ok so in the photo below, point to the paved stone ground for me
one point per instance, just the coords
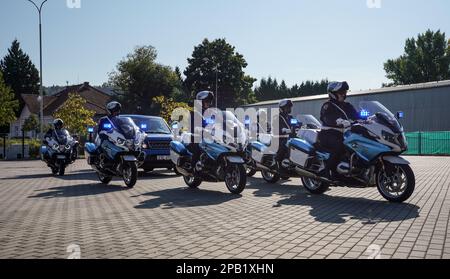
(42, 215)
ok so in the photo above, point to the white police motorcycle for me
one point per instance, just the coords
(59, 151)
(372, 157)
(119, 155)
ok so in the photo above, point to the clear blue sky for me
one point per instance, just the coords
(293, 40)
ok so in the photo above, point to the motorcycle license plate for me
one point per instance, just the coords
(60, 157)
(129, 158)
(163, 158)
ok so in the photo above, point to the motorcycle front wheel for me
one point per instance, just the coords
(62, 169)
(129, 174)
(235, 178)
(399, 185)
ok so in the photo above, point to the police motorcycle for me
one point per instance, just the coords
(221, 158)
(121, 154)
(373, 157)
(59, 151)
(263, 157)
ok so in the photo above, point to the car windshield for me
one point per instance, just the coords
(152, 125)
(382, 114)
(127, 127)
(308, 121)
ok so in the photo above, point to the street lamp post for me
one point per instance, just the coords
(41, 88)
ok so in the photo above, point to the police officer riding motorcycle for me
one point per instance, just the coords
(336, 115)
(60, 148)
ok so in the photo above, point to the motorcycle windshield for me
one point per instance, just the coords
(127, 127)
(63, 136)
(308, 121)
(231, 130)
(381, 114)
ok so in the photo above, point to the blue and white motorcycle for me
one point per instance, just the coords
(59, 150)
(221, 158)
(119, 155)
(372, 157)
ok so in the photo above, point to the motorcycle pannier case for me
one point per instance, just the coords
(177, 150)
(258, 151)
(300, 150)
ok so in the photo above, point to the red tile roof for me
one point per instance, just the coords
(95, 99)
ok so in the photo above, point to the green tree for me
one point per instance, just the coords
(219, 59)
(19, 73)
(74, 114)
(8, 104)
(426, 59)
(269, 89)
(31, 124)
(140, 79)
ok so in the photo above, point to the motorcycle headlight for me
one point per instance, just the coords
(68, 146)
(55, 146)
(389, 137)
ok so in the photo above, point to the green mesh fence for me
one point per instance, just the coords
(428, 143)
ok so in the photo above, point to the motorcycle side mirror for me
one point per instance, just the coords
(400, 115)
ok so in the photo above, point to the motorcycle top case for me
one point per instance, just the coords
(301, 150)
(177, 150)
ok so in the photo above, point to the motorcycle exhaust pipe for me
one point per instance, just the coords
(308, 174)
(264, 168)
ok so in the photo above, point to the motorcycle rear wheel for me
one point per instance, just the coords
(250, 171)
(313, 186)
(269, 177)
(104, 179)
(192, 181)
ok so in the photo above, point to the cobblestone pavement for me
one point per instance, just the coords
(42, 216)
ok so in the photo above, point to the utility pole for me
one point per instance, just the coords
(41, 86)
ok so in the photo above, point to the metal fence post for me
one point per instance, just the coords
(420, 143)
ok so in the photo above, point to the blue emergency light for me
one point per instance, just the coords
(364, 113)
(144, 126)
(107, 126)
(90, 129)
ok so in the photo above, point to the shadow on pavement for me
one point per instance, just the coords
(337, 209)
(185, 197)
(79, 190)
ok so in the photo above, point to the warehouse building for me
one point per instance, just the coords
(426, 106)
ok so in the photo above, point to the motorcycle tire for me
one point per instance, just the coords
(250, 172)
(409, 178)
(104, 179)
(270, 177)
(192, 181)
(241, 175)
(62, 170)
(130, 174)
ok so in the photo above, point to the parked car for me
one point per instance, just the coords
(156, 146)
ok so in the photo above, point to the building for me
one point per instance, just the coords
(426, 106)
(96, 100)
